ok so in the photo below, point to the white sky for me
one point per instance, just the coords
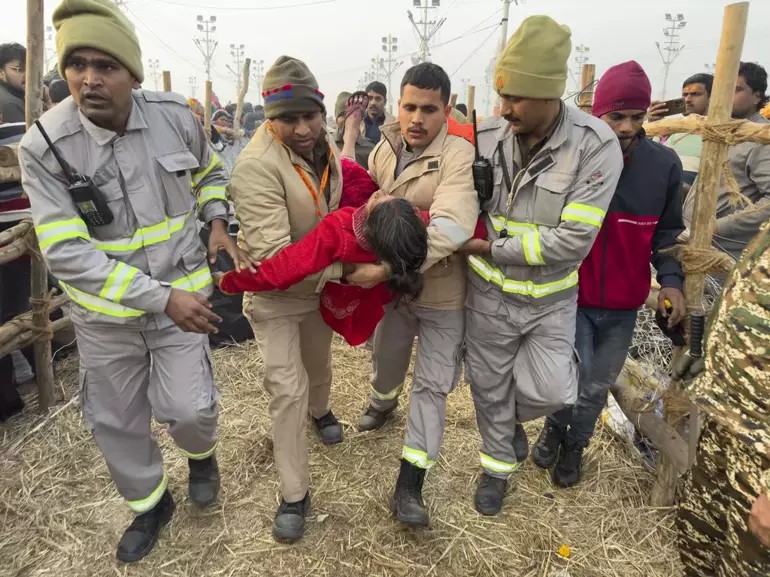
(338, 38)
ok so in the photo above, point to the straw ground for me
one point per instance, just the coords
(60, 515)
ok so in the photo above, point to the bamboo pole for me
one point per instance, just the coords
(207, 107)
(586, 96)
(452, 100)
(9, 154)
(471, 104)
(166, 81)
(39, 292)
(28, 337)
(713, 157)
(15, 331)
(241, 97)
(10, 174)
(15, 232)
(738, 129)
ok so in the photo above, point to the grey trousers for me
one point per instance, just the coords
(126, 377)
(437, 372)
(521, 364)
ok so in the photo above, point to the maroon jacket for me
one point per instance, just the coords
(644, 217)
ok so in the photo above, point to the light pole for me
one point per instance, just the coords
(237, 53)
(581, 58)
(155, 71)
(206, 45)
(258, 75)
(50, 50)
(671, 46)
(426, 28)
(710, 68)
(193, 86)
(390, 47)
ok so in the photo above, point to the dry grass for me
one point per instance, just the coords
(61, 516)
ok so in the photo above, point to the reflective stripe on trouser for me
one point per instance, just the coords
(437, 371)
(521, 365)
(717, 496)
(121, 391)
(391, 355)
(296, 351)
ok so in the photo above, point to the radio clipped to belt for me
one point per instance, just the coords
(483, 179)
(87, 196)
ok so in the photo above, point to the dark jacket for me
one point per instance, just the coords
(11, 103)
(644, 217)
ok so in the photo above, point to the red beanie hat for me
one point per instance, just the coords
(623, 87)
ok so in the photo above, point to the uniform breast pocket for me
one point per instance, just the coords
(112, 192)
(551, 191)
(175, 172)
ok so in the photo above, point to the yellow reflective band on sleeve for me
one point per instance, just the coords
(213, 163)
(209, 193)
(144, 505)
(513, 228)
(118, 281)
(496, 466)
(584, 213)
(417, 458)
(198, 456)
(98, 304)
(146, 236)
(196, 281)
(532, 251)
(53, 232)
(387, 396)
(527, 288)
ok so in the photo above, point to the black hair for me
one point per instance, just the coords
(462, 108)
(59, 90)
(377, 87)
(230, 109)
(250, 121)
(12, 51)
(398, 237)
(428, 76)
(701, 78)
(755, 76)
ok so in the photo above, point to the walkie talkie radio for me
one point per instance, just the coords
(87, 196)
(483, 178)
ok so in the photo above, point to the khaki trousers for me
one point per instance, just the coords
(296, 351)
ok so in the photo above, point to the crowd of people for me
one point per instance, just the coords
(525, 274)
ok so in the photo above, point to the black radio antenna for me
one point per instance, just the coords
(59, 159)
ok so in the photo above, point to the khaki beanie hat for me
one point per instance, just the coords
(97, 24)
(339, 106)
(534, 62)
(290, 88)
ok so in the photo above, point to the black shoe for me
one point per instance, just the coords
(566, 473)
(203, 484)
(289, 522)
(407, 504)
(142, 534)
(546, 450)
(329, 429)
(372, 419)
(520, 443)
(490, 494)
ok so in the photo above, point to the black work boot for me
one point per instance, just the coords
(142, 534)
(289, 522)
(566, 473)
(546, 450)
(329, 429)
(520, 443)
(407, 504)
(373, 419)
(203, 482)
(490, 494)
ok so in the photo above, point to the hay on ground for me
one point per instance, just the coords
(61, 516)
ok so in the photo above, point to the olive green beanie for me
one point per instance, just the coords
(534, 62)
(97, 24)
(290, 88)
(339, 106)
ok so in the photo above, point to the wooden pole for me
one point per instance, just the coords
(241, 96)
(207, 108)
(452, 100)
(471, 104)
(586, 97)
(713, 157)
(39, 289)
(166, 81)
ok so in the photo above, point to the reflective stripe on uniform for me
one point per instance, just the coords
(198, 456)
(496, 466)
(528, 288)
(584, 213)
(144, 505)
(208, 193)
(513, 228)
(417, 458)
(191, 283)
(146, 236)
(532, 250)
(199, 176)
(51, 233)
(389, 396)
(116, 284)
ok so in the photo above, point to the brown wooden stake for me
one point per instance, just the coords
(39, 292)
(713, 157)
(166, 81)
(471, 104)
(9, 154)
(10, 174)
(586, 96)
(241, 96)
(452, 100)
(207, 107)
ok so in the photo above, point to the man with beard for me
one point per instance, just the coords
(375, 116)
(555, 170)
(13, 77)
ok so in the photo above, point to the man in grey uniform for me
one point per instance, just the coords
(555, 170)
(138, 284)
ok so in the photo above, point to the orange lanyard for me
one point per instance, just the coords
(324, 179)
